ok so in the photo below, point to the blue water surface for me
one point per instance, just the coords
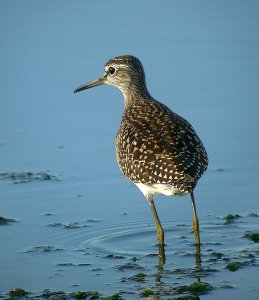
(201, 58)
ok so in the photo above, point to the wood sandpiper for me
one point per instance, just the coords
(156, 149)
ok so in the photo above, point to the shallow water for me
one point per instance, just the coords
(84, 228)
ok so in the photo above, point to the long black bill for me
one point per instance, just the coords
(96, 82)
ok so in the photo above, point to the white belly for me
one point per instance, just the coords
(158, 188)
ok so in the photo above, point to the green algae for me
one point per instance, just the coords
(199, 288)
(254, 215)
(254, 236)
(55, 295)
(234, 266)
(230, 218)
(6, 221)
(129, 266)
(27, 176)
(187, 297)
(43, 249)
(60, 295)
(185, 292)
(17, 292)
(139, 277)
(80, 295)
(90, 295)
(217, 255)
(146, 293)
(114, 297)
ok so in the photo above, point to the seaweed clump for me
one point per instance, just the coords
(230, 218)
(234, 266)
(5, 221)
(139, 277)
(199, 288)
(17, 292)
(254, 236)
(87, 295)
(146, 293)
(27, 176)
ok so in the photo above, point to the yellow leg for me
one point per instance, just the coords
(195, 222)
(159, 228)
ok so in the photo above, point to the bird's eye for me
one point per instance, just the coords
(111, 70)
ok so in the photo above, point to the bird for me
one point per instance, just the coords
(156, 149)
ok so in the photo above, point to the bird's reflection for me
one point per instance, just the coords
(198, 260)
(162, 259)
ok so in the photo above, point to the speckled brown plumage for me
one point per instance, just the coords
(155, 145)
(155, 148)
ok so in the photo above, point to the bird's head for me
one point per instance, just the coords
(123, 72)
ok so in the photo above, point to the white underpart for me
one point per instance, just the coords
(158, 188)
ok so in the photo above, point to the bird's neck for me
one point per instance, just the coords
(134, 94)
